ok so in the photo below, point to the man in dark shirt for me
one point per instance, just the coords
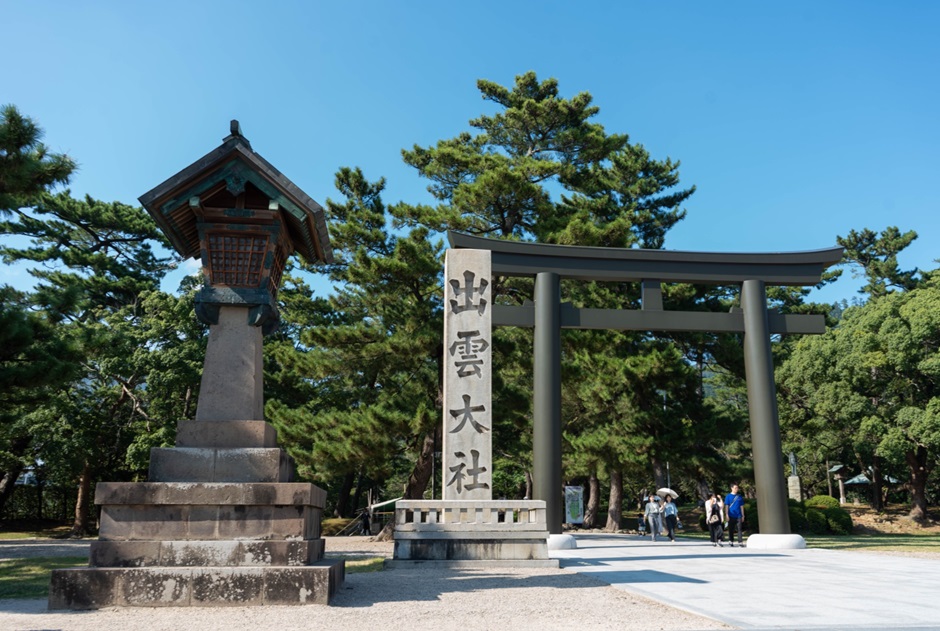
(734, 505)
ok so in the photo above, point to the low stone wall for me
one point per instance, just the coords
(470, 515)
(470, 533)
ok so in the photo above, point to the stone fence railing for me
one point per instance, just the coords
(470, 515)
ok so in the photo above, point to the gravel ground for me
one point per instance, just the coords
(443, 599)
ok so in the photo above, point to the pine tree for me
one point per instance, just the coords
(35, 358)
(372, 352)
(96, 267)
(540, 169)
(27, 168)
(537, 167)
(877, 256)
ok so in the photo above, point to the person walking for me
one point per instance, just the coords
(671, 515)
(653, 515)
(734, 507)
(713, 516)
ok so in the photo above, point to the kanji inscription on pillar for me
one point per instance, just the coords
(468, 399)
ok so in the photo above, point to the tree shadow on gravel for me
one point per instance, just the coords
(404, 585)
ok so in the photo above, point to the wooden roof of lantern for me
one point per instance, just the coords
(236, 180)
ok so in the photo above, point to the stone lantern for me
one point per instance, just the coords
(220, 520)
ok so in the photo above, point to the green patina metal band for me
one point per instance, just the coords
(260, 306)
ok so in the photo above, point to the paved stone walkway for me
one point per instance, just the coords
(31, 548)
(767, 589)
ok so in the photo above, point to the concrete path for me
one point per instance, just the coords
(30, 548)
(767, 589)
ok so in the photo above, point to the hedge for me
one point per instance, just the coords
(822, 502)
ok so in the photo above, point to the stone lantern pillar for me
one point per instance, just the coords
(221, 519)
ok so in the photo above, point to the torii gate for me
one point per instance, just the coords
(753, 272)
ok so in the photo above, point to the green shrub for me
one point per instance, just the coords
(750, 516)
(816, 521)
(822, 502)
(839, 520)
(798, 521)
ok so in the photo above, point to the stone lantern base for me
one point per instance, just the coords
(221, 523)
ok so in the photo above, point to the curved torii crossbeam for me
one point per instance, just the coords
(753, 271)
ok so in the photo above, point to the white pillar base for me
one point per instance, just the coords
(562, 542)
(776, 542)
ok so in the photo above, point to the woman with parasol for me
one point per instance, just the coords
(670, 516)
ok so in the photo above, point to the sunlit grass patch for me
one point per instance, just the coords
(33, 530)
(333, 526)
(876, 542)
(29, 578)
(360, 565)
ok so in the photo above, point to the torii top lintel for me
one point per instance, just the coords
(514, 258)
(235, 167)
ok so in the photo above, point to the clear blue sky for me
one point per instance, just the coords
(797, 121)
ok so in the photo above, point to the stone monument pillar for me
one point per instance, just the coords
(468, 396)
(794, 488)
(468, 528)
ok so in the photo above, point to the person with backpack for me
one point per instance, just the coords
(713, 515)
(734, 505)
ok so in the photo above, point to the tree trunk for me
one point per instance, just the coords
(342, 501)
(615, 505)
(528, 484)
(877, 484)
(863, 468)
(594, 501)
(659, 473)
(17, 448)
(7, 484)
(703, 489)
(417, 481)
(39, 486)
(357, 496)
(917, 461)
(80, 525)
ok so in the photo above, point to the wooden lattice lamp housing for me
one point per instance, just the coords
(243, 218)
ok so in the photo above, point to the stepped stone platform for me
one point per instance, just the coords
(221, 523)
(471, 534)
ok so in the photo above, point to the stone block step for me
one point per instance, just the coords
(478, 535)
(205, 553)
(489, 564)
(208, 464)
(225, 434)
(220, 493)
(95, 588)
(184, 522)
(470, 549)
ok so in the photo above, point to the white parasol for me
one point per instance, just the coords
(663, 492)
